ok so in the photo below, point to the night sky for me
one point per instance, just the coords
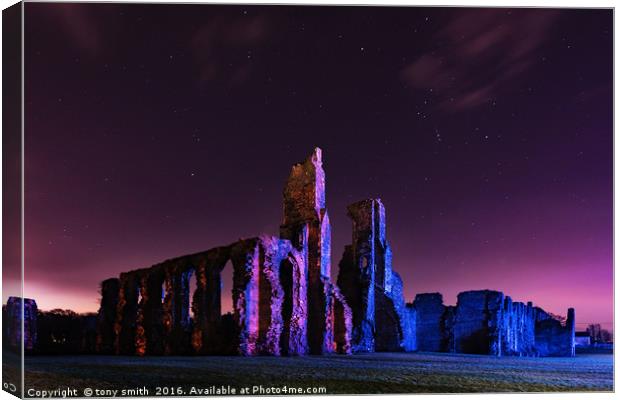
(153, 131)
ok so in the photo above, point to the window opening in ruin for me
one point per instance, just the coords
(226, 281)
(163, 292)
(300, 238)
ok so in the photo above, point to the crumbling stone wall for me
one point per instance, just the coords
(16, 313)
(283, 299)
(107, 316)
(478, 322)
(488, 322)
(126, 312)
(555, 339)
(342, 320)
(152, 305)
(430, 330)
(271, 295)
(406, 314)
(284, 302)
(374, 291)
(212, 333)
(355, 283)
(153, 309)
(519, 325)
(306, 225)
(448, 342)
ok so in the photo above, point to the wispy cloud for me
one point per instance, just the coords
(223, 47)
(480, 51)
(80, 26)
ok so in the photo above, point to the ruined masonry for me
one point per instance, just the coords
(285, 303)
(488, 322)
(14, 313)
(381, 321)
(283, 299)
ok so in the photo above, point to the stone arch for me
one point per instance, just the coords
(186, 296)
(258, 295)
(226, 328)
(226, 288)
(293, 278)
(269, 293)
(208, 335)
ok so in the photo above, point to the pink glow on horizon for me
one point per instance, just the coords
(592, 306)
(50, 297)
(575, 288)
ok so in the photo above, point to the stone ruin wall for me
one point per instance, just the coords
(488, 322)
(381, 320)
(430, 319)
(551, 337)
(12, 323)
(151, 314)
(286, 304)
(306, 225)
(283, 300)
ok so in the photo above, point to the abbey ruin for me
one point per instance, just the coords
(285, 302)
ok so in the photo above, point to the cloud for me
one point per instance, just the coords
(481, 51)
(223, 47)
(79, 25)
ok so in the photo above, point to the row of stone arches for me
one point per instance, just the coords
(160, 310)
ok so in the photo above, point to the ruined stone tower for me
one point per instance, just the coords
(381, 321)
(306, 225)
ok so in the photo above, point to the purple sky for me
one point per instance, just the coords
(154, 131)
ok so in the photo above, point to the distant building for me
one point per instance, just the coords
(582, 339)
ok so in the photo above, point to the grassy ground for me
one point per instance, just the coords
(367, 373)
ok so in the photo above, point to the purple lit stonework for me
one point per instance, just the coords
(285, 303)
(18, 315)
(283, 299)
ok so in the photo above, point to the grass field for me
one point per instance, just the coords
(366, 373)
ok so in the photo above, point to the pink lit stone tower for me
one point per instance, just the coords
(306, 225)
